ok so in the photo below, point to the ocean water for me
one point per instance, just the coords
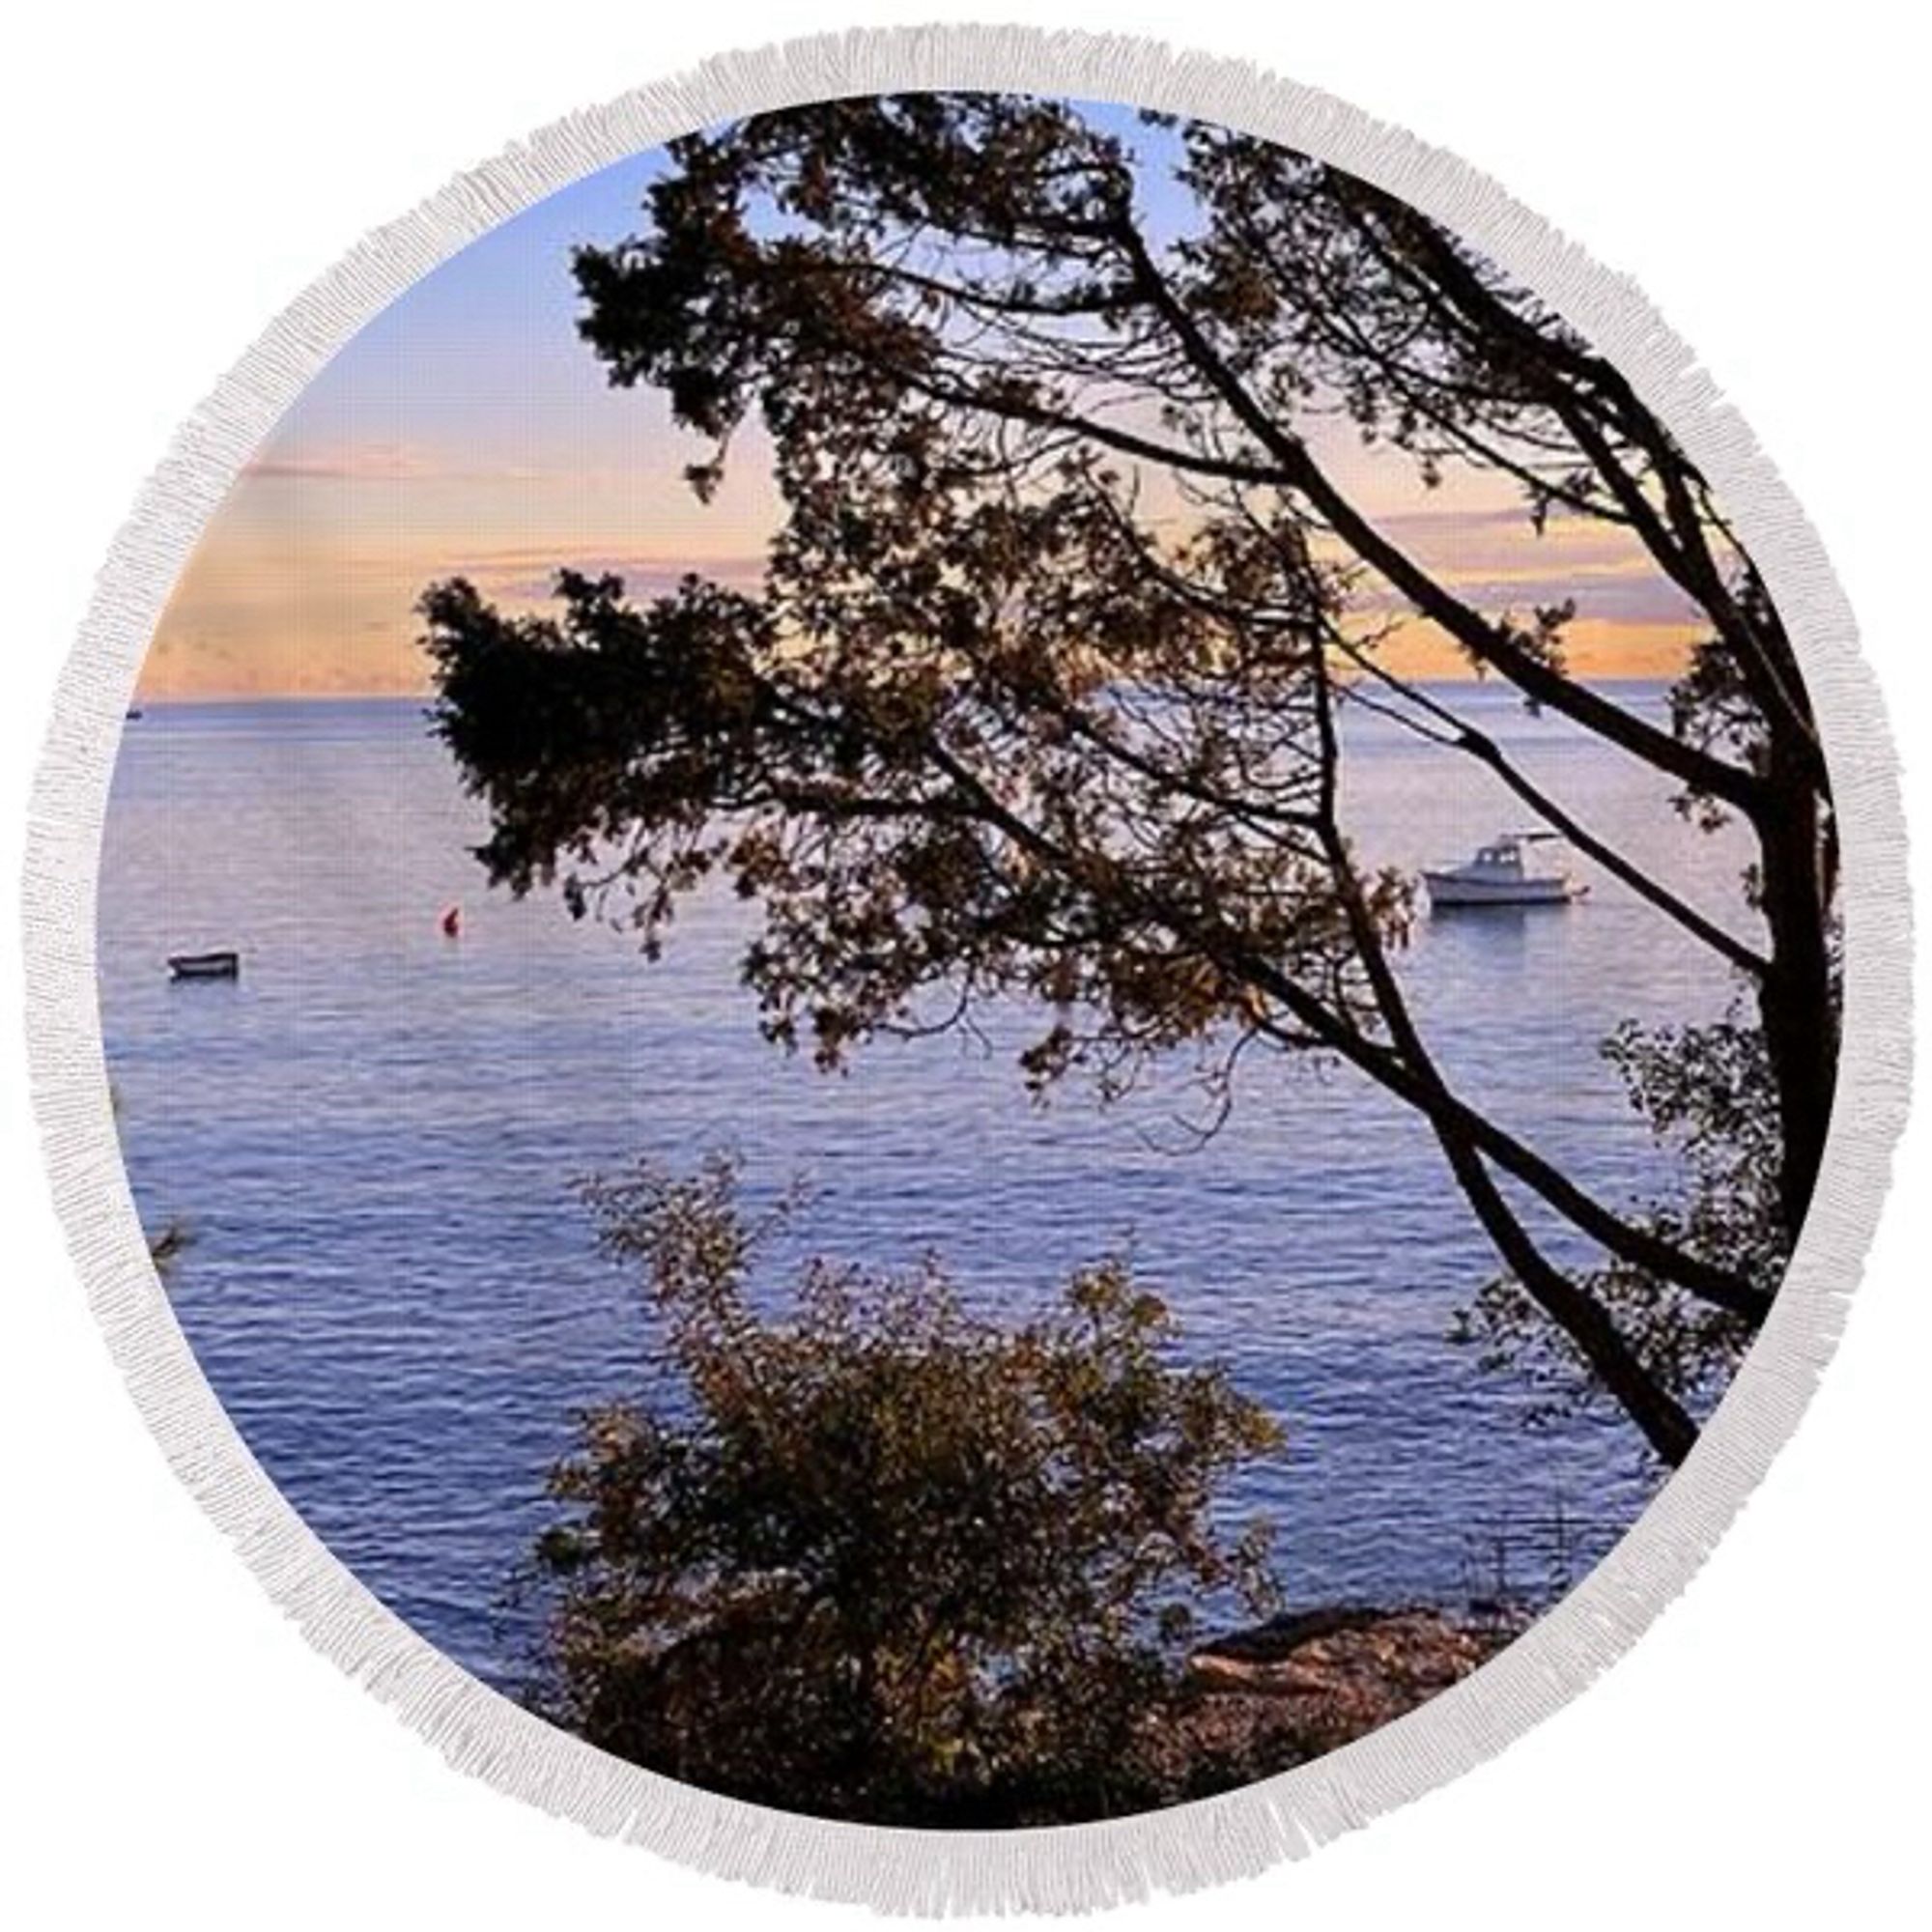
(373, 1139)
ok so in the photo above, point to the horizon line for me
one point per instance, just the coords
(186, 700)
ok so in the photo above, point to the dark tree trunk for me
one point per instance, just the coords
(1796, 1001)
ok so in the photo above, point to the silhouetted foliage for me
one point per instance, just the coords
(166, 1248)
(878, 1556)
(1039, 697)
(1707, 1094)
(167, 1243)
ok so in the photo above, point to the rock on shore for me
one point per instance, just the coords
(1288, 1691)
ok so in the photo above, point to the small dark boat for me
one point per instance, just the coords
(134, 712)
(205, 965)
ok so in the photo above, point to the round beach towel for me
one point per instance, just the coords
(971, 966)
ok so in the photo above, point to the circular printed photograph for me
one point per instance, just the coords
(971, 960)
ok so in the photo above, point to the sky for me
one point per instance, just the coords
(467, 431)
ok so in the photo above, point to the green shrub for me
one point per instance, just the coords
(885, 1559)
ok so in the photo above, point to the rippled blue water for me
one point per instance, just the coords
(373, 1136)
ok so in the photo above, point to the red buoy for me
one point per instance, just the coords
(452, 921)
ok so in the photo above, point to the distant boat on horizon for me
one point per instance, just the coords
(134, 711)
(205, 965)
(1500, 875)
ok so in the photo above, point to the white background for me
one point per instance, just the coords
(176, 1754)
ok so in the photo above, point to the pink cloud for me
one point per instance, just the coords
(381, 462)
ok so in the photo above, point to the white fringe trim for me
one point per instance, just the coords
(1078, 1867)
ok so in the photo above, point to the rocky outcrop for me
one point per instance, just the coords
(1288, 1691)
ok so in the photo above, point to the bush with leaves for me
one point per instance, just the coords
(883, 1557)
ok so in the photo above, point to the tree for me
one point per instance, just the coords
(885, 1558)
(1041, 692)
(1705, 1093)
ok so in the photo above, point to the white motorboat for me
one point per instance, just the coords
(1501, 875)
